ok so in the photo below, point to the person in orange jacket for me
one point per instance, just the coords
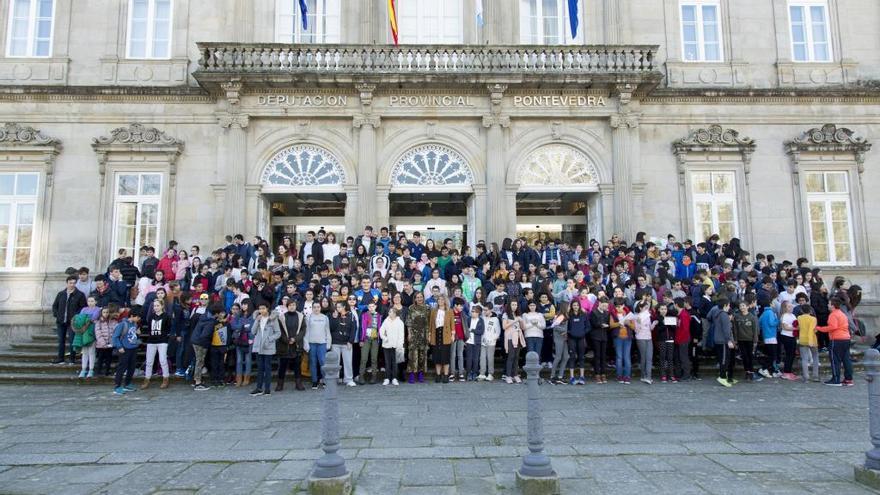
(838, 331)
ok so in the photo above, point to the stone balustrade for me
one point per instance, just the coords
(367, 60)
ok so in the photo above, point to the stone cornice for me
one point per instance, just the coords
(714, 139)
(137, 134)
(16, 134)
(126, 94)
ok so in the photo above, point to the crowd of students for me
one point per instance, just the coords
(207, 319)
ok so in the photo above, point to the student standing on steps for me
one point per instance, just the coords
(157, 330)
(126, 342)
(266, 332)
(68, 303)
(391, 335)
(316, 341)
(492, 332)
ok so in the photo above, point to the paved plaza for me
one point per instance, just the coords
(462, 438)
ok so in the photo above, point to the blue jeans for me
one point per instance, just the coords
(623, 352)
(182, 358)
(65, 336)
(534, 344)
(316, 361)
(242, 360)
(264, 372)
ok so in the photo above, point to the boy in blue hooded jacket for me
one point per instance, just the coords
(769, 323)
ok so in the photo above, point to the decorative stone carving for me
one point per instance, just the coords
(496, 94)
(829, 139)
(629, 120)
(432, 165)
(303, 165)
(12, 133)
(137, 134)
(365, 91)
(490, 120)
(431, 129)
(361, 120)
(232, 89)
(240, 120)
(556, 130)
(715, 139)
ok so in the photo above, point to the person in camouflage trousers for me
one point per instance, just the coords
(417, 338)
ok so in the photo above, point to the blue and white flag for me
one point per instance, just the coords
(304, 11)
(573, 17)
(479, 11)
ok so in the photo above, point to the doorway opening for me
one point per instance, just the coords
(553, 215)
(436, 216)
(296, 214)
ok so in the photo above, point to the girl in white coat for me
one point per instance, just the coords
(391, 334)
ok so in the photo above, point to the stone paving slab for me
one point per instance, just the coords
(693, 438)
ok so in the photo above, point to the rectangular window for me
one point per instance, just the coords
(30, 28)
(136, 211)
(430, 21)
(149, 29)
(714, 204)
(810, 31)
(323, 21)
(546, 22)
(18, 207)
(831, 235)
(701, 31)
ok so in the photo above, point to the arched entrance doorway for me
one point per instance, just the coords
(558, 195)
(431, 192)
(304, 188)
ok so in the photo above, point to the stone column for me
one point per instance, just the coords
(479, 215)
(366, 124)
(536, 475)
(606, 198)
(869, 474)
(235, 167)
(382, 207)
(611, 21)
(352, 206)
(510, 218)
(496, 165)
(253, 217)
(624, 163)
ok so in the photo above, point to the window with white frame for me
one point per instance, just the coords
(137, 207)
(18, 206)
(810, 31)
(30, 28)
(701, 31)
(831, 235)
(149, 29)
(430, 21)
(546, 22)
(714, 204)
(322, 21)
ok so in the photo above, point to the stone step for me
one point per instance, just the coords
(44, 337)
(37, 345)
(42, 367)
(17, 355)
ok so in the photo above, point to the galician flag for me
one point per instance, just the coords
(304, 11)
(479, 12)
(392, 19)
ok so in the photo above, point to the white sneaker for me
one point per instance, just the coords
(351, 384)
(386, 382)
(481, 378)
(508, 380)
(489, 378)
(395, 382)
(517, 379)
(646, 380)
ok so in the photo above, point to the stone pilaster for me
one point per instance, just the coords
(382, 204)
(479, 205)
(624, 158)
(235, 171)
(366, 124)
(497, 216)
(353, 224)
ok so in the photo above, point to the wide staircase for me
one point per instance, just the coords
(30, 362)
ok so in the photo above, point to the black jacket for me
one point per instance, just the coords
(317, 252)
(67, 306)
(343, 330)
(204, 330)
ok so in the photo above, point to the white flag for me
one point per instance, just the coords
(479, 11)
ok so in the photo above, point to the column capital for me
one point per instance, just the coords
(253, 188)
(624, 120)
(383, 188)
(480, 188)
(493, 120)
(230, 120)
(361, 120)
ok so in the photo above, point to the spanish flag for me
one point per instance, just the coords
(392, 19)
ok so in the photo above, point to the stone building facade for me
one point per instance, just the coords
(139, 121)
